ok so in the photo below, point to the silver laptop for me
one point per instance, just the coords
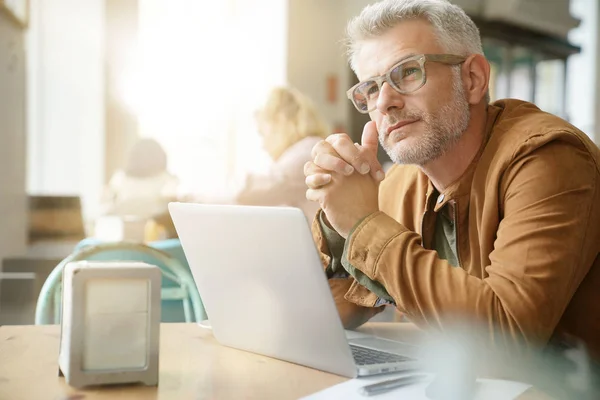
(264, 289)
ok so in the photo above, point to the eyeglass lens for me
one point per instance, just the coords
(405, 78)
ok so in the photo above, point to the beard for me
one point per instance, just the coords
(443, 129)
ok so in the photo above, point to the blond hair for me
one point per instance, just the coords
(287, 117)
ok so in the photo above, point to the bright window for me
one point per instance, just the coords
(200, 71)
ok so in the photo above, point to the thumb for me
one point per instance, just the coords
(369, 144)
(369, 140)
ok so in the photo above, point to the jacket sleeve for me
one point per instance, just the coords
(352, 315)
(538, 261)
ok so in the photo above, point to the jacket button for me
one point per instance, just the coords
(440, 198)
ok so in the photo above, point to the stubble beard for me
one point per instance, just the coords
(443, 129)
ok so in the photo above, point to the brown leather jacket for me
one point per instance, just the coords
(527, 224)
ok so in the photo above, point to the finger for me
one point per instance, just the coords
(310, 168)
(369, 146)
(348, 152)
(369, 138)
(313, 195)
(322, 147)
(317, 181)
(331, 163)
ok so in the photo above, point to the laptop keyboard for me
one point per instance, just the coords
(365, 356)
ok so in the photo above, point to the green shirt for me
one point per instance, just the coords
(444, 237)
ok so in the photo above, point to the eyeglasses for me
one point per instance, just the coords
(405, 77)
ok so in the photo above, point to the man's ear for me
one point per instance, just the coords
(476, 78)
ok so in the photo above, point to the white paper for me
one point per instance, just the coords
(488, 389)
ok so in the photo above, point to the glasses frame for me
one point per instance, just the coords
(448, 59)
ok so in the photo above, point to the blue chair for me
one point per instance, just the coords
(169, 246)
(180, 299)
(172, 312)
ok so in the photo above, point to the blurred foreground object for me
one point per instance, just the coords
(462, 354)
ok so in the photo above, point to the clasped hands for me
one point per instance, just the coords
(344, 178)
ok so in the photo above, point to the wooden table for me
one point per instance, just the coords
(192, 366)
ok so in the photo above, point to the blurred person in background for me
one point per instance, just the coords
(290, 126)
(144, 187)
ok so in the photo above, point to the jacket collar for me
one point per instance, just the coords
(462, 185)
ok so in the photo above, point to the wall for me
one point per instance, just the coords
(66, 99)
(12, 139)
(583, 72)
(121, 31)
(315, 52)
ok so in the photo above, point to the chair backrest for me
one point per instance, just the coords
(181, 301)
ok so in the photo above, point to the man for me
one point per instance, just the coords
(492, 211)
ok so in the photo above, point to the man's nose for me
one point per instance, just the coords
(389, 98)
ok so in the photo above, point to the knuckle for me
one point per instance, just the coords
(307, 168)
(307, 194)
(318, 146)
(340, 165)
(316, 181)
(319, 160)
(332, 138)
(325, 163)
(356, 158)
(313, 195)
(308, 180)
(338, 138)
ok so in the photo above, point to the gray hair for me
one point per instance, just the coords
(456, 32)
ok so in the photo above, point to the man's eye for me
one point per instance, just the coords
(410, 71)
(373, 90)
